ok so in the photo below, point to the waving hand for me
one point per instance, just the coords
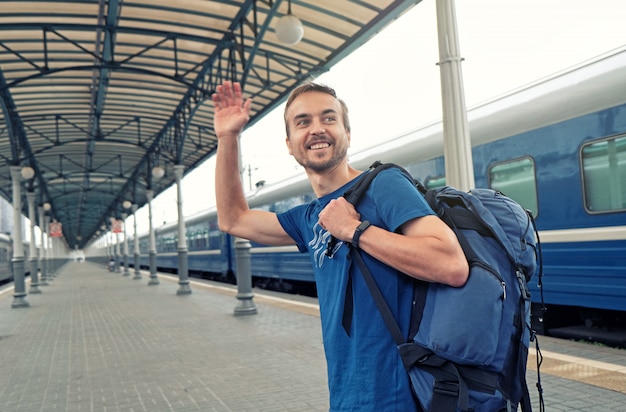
(231, 111)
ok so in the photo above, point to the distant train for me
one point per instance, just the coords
(6, 258)
(557, 146)
(6, 254)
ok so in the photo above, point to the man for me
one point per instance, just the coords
(364, 370)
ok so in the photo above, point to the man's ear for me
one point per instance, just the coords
(288, 143)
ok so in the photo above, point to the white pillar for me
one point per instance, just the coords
(32, 255)
(136, 244)
(46, 248)
(19, 295)
(126, 271)
(42, 262)
(118, 254)
(457, 145)
(183, 272)
(154, 279)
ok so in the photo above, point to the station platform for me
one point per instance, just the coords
(100, 341)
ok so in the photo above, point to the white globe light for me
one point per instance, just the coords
(289, 30)
(158, 172)
(126, 204)
(27, 172)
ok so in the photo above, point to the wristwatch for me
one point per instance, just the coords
(358, 232)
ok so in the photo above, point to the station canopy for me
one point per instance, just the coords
(96, 94)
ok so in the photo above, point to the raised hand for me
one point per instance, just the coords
(231, 111)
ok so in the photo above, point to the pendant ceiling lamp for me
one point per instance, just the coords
(289, 29)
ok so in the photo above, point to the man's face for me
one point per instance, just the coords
(317, 137)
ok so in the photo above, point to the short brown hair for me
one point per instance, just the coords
(316, 87)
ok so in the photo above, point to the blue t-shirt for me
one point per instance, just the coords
(365, 372)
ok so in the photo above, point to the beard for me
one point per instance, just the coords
(319, 166)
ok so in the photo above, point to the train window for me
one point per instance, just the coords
(167, 244)
(603, 170)
(286, 204)
(205, 238)
(434, 182)
(215, 239)
(516, 179)
(191, 239)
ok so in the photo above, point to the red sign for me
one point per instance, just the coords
(56, 230)
(116, 226)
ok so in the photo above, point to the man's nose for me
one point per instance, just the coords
(318, 128)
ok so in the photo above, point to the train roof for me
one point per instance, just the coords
(588, 87)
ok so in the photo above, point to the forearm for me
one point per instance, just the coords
(433, 258)
(230, 199)
(425, 248)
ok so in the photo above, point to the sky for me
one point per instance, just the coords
(392, 85)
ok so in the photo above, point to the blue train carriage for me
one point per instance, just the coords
(209, 250)
(6, 258)
(6, 254)
(576, 188)
(282, 268)
(211, 253)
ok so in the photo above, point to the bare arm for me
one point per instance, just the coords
(234, 216)
(426, 248)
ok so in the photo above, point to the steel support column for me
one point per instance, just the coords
(47, 266)
(154, 279)
(125, 234)
(19, 294)
(32, 254)
(136, 244)
(118, 260)
(459, 167)
(245, 297)
(42, 261)
(183, 271)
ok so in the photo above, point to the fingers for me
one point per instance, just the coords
(339, 218)
(228, 94)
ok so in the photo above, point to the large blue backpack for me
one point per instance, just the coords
(467, 347)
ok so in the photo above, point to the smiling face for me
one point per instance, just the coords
(316, 134)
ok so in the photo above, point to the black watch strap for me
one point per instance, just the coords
(358, 232)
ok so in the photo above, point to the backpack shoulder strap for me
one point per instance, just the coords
(354, 196)
(356, 192)
(379, 300)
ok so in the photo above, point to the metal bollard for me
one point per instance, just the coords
(245, 297)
